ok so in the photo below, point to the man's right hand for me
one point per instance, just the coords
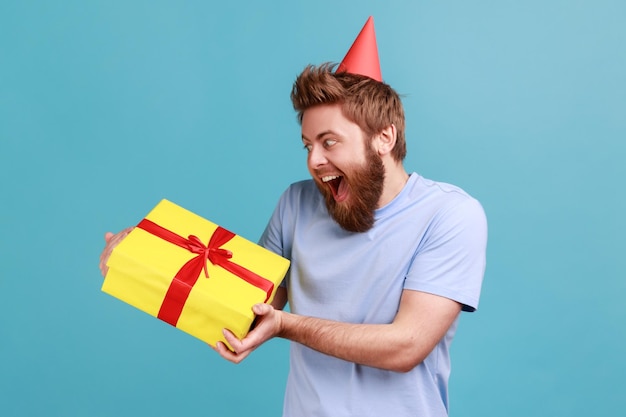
(111, 241)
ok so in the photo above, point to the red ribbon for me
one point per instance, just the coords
(188, 275)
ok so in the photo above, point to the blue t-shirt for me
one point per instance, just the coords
(431, 237)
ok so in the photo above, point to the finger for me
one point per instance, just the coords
(261, 309)
(102, 264)
(223, 351)
(233, 341)
(229, 355)
(108, 236)
(104, 258)
(104, 255)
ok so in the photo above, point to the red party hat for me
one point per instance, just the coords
(362, 57)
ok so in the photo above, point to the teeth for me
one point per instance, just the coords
(329, 178)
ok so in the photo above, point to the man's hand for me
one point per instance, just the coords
(268, 325)
(111, 241)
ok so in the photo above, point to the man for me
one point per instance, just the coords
(382, 261)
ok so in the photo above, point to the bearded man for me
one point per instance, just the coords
(382, 261)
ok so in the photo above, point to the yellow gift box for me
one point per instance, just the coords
(192, 273)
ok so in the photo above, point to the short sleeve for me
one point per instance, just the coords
(451, 259)
(271, 239)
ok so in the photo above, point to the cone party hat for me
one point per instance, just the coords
(362, 57)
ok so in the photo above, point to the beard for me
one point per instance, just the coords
(356, 214)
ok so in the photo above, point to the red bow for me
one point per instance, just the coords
(187, 276)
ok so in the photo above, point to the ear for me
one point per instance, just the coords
(385, 141)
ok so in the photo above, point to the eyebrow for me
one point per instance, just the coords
(322, 134)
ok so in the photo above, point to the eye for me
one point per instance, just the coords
(307, 147)
(329, 142)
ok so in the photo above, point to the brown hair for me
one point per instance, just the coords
(371, 104)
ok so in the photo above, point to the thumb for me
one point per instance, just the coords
(261, 309)
(108, 236)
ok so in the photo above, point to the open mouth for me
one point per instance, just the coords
(337, 185)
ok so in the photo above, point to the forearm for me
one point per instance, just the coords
(422, 320)
(377, 345)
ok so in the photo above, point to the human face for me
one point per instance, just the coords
(347, 171)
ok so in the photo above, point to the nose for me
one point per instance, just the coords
(317, 157)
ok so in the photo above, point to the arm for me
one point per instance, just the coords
(280, 298)
(422, 320)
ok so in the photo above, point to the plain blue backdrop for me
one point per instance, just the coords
(107, 107)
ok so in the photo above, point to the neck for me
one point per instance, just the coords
(395, 180)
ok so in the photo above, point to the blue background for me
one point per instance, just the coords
(107, 107)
